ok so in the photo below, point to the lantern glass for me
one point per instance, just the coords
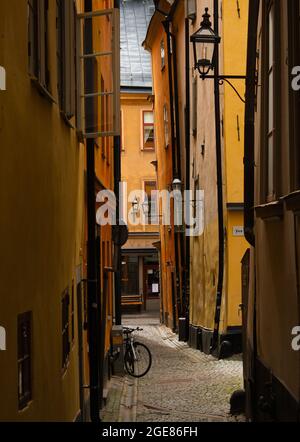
(135, 206)
(204, 43)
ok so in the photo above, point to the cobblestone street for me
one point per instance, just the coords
(183, 385)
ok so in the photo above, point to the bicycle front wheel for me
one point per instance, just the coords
(138, 364)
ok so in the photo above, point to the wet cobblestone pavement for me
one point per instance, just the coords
(183, 385)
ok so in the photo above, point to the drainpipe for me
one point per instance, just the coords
(187, 159)
(180, 235)
(93, 298)
(166, 25)
(219, 187)
(249, 163)
(117, 180)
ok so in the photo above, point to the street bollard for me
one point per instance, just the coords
(117, 350)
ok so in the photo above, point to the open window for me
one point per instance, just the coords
(98, 46)
(148, 130)
(38, 42)
(66, 56)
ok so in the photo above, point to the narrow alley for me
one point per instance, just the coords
(183, 385)
(150, 213)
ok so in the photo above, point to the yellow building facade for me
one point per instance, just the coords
(156, 43)
(192, 160)
(205, 259)
(141, 282)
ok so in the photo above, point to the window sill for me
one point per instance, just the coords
(148, 149)
(293, 202)
(270, 212)
(42, 90)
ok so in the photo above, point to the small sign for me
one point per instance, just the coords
(2, 79)
(2, 339)
(238, 231)
(155, 288)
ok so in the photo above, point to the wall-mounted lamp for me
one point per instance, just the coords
(135, 205)
(205, 41)
(177, 185)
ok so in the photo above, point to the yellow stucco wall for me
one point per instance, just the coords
(136, 161)
(234, 29)
(204, 250)
(155, 36)
(42, 196)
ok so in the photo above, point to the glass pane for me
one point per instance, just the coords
(271, 166)
(130, 275)
(148, 118)
(149, 136)
(271, 101)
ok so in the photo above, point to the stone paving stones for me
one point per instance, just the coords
(183, 385)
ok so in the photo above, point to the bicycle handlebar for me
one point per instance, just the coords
(128, 330)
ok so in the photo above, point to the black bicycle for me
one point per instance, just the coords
(138, 358)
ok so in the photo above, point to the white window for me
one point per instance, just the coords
(66, 53)
(166, 126)
(148, 130)
(104, 59)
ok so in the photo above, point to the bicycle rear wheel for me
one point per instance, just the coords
(139, 364)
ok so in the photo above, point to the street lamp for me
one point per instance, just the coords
(205, 41)
(204, 44)
(135, 205)
(177, 185)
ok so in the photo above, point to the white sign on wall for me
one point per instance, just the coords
(2, 79)
(2, 339)
(238, 231)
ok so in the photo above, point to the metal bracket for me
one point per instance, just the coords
(226, 78)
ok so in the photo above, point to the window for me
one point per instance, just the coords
(270, 120)
(294, 98)
(271, 104)
(148, 130)
(162, 54)
(130, 275)
(24, 359)
(166, 126)
(65, 329)
(191, 9)
(150, 186)
(38, 44)
(66, 56)
(32, 17)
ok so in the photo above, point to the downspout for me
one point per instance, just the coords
(187, 159)
(117, 248)
(166, 25)
(180, 235)
(219, 187)
(249, 162)
(93, 298)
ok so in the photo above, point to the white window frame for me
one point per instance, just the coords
(115, 54)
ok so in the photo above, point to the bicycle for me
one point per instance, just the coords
(138, 358)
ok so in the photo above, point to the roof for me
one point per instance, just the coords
(163, 9)
(136, 68)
